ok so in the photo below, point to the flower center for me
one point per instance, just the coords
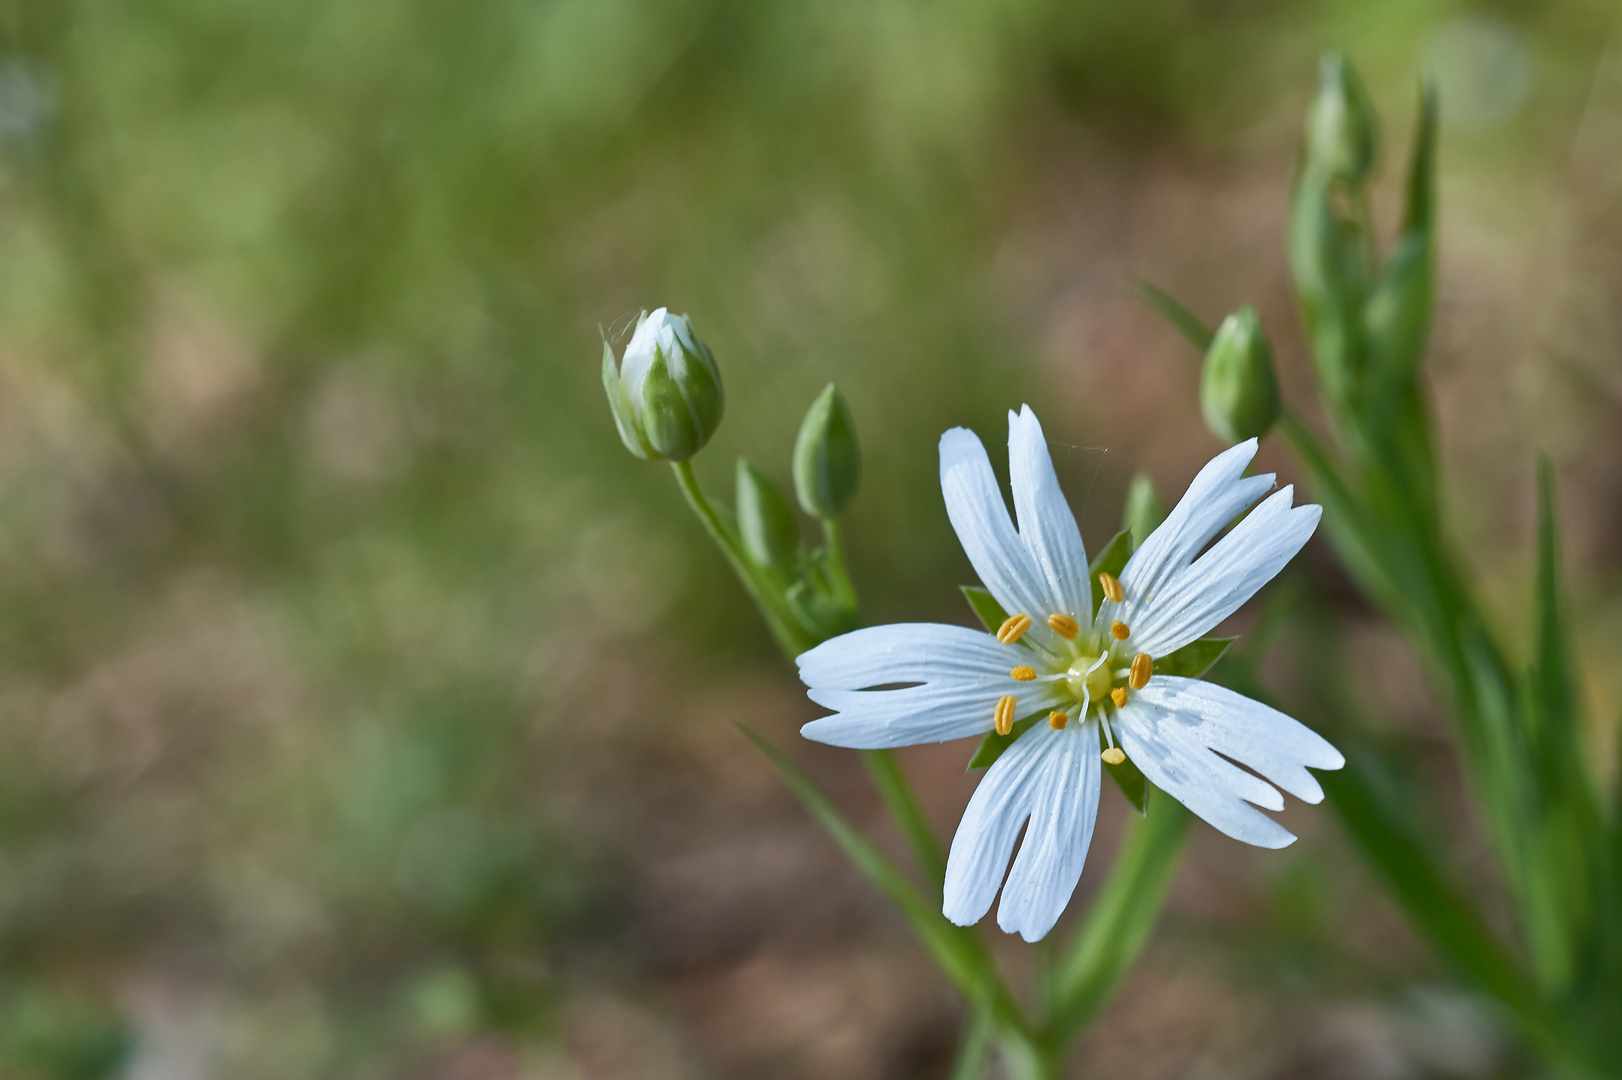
(1087, 678)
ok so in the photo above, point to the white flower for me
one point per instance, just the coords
(1092, 676)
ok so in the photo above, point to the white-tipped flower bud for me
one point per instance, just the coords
(1342, 132)
(1238, 392)
(666, 394)
(827, 461)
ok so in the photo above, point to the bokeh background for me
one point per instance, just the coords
(367, 711)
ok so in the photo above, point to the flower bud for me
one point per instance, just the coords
(666, 395)
(1342, 133)
(1144, 511)
(1238, 393)
(827, 461)
(765, 520)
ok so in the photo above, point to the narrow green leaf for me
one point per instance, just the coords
(1118, 922)
(1452, 926)
(1195, 658)
(1111, 560)
(1554, 692)
(1419, 212)
(973, 1046)
(1182, 320)
(957, 949)
(992, 746)
(985, 606)
(1132, 783)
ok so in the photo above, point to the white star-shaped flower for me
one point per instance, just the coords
(1093, 676)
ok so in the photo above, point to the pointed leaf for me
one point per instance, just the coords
(985, 606)
(1131, 782)
(1194, 659)
(1112, 560)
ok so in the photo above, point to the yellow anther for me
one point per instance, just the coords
(1013, 628)
(1112, 588)
(1142, 667)
(1118, 695)
(1064, 626)
(1118, 630)
(1113, 756)
(1004, 721)
(1023, 673)
(1057, 720)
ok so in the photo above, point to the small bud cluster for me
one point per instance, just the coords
(666, 397)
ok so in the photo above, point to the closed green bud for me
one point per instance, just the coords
(666, 394)
(1342, 132)
(827, 461)
(1238, 393)
(766, 522)
(1144, 511)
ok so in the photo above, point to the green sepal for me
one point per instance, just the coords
(766, 523)
(1144, 511)
(1195, 658)
(620, 405)
(1131, 781)
(1112, 560)
(992, 746)
(985, 606)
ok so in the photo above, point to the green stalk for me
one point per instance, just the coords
(790, 636)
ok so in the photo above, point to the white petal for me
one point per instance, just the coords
(1157, 741)
(1064, 810)
(907, 653)
(1216, 497)
(1258, 737)
(935, 712)
(1046, 525)
(980, 517)
(1192, 601)
(985, 837)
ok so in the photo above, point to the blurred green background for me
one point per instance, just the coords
(366, 710)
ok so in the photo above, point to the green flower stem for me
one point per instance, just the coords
(791, 637)
(839, 578)
(908, 813)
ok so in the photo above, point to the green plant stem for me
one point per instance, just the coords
(908, 812)
(791, 638)
(839, 578)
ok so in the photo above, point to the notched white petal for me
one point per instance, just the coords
(933, 712)
(1046, 526)
(1261, 738)
(1162, 748)
(1193, 600)
(1064, 810)
(984, 841)
(906, 652)
(974, 504)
